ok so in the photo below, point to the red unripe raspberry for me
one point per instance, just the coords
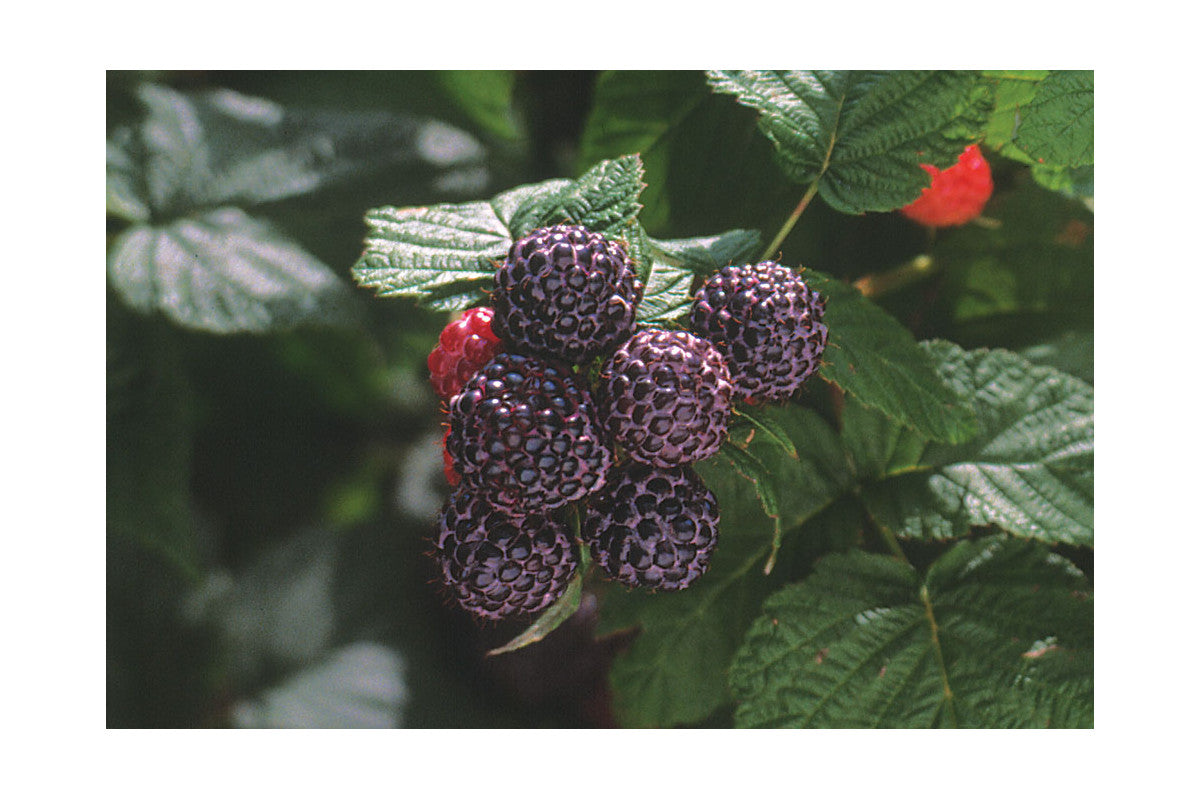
(957, 194)
(465, 345)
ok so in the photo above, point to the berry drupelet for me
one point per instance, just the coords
(566, 293)
(523, 432)
(767, 323)
(665, 397)
(498, 565)
(653, 528)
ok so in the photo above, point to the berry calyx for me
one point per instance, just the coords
(523, 431)
(767, 323)
(497, 564)
(665, 396)
(566, 293)
(465, 345)
(653, 528)
(956, 195)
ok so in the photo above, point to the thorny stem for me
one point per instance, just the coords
(773, 247)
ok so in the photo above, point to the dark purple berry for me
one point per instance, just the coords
(665, 397)
(767, 323)
(565, 293)
(523, 431)
(653, 528)
(498, 565)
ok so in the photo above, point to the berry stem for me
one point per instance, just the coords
(911, 271)
(773, 247)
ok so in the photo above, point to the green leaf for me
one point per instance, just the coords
(874, 358)
(413, 251)
(1030, 471)
(674, 264)
(1073, 352)
(643, 112)
(486, 95)
(863, 135)
(707, 254)
(1012, 90)
(203, 150)
(763, 422)
(1076, 182)
(225, 272)
(603, 199)
(182, 172)
(998, 633)
(551, 618)
(360, 685)
(1058, 125)
(149, 441)
(675, 670)
(445, 255)
(668, 294)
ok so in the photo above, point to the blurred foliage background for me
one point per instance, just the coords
(273, 470)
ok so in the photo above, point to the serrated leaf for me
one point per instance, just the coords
(998, 633)
(225, 272)
(674, 672)
(642, 112)
(1058, 125)
(862, 135)
(873, 357)
(445, 255)
(684, 133)
(183, 167)
(1029, 471)
(412, 251)
(551, 618)
(603, 199)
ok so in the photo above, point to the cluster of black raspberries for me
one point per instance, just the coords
(528, 436)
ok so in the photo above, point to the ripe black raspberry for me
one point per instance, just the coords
(666, 397)
(653, 528)
(497, 564)
(523, 431)
(566, 293)
(767, 323)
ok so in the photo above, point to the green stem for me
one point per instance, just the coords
(773, 247)
(893, 543)
(909, 272)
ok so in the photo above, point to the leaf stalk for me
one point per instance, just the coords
(773, 247)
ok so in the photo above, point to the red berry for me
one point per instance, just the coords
(465, 345)
(957, 194)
